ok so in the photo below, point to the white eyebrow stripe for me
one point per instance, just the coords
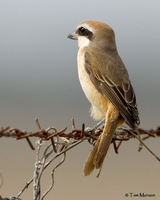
(86, 26)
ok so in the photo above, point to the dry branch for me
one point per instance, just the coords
(61, 141)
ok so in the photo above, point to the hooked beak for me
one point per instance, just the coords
(73, 36)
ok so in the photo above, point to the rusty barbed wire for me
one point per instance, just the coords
(61, 141)
(122, 134)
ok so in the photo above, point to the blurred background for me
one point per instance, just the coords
(38, 78)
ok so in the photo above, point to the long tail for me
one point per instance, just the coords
(97, 155)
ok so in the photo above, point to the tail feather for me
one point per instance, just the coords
(89, 164)
(97, 155)
(105, 141)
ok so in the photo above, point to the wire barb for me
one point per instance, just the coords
(53, 143)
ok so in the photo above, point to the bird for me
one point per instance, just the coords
(106, 84)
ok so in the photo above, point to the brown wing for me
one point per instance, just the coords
(119, 92)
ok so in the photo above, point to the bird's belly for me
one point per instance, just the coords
(99, 102)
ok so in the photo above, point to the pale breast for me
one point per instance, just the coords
(99, 102)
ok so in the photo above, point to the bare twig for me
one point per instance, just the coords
(37, 173)
(52, 176)
(25, 187)
(60, 142)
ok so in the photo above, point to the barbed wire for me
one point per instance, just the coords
(61, 141)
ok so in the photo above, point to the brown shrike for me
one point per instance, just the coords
(106, 84)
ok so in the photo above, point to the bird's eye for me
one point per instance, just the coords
(82, 30)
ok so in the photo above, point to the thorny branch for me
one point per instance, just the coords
(61, 141)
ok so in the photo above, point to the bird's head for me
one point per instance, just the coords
(93, 33)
